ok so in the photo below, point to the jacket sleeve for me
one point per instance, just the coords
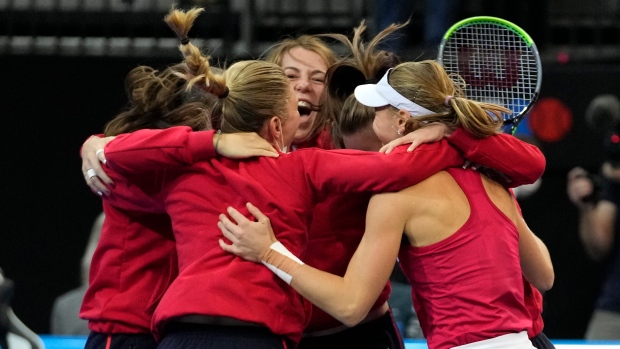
(521, 162)
(358, 171)
(147, 150)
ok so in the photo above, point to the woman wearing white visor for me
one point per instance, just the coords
(465, 245)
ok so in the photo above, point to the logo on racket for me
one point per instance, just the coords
(474, 68)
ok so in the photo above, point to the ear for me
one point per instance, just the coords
(274, 129)
(401, 119)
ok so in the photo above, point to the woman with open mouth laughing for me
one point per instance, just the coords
(305, 61)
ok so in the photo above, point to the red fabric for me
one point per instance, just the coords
(213, 282)
(522, 162)
(133, 264)
(338, 223)
(135, 259)
(533, 303)
(334, 234)
(468, 287)
(337, 227)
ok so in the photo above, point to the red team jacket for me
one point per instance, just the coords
(133, 264)
(336, 230)
(211, 282)
(135, 260)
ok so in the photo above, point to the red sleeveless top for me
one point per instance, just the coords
(468, 287)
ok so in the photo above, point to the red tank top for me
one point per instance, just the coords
(468, 287)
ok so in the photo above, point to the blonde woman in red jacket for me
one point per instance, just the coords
(135, 259)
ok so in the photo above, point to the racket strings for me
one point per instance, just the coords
(496, 63)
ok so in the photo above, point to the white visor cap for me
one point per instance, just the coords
(382, 94)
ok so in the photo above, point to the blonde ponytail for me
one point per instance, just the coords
(426, 83)
(199, 70)
(250, 92)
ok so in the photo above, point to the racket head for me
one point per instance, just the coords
(498, 61)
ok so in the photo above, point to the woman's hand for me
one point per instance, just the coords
(92, 157)
(242, 145)
(249, 240)
(434, 132)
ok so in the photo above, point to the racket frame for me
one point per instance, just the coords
(516, 117)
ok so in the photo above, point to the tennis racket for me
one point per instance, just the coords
(498, 61)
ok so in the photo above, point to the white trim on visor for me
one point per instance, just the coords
(382, 94)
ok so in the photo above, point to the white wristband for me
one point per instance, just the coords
(278, 247)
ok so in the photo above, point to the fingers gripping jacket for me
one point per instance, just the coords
(282, 262)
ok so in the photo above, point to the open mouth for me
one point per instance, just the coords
(305, 108)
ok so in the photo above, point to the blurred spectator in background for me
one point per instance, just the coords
(439, 16)
(597, 199)
(65, 318)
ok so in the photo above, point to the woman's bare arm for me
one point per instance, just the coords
(347, 298)
(535, 259)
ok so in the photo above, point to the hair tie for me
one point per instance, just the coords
(447, 100)
(185, 41)
(225, 93)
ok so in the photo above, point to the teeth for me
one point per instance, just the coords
(303, 104)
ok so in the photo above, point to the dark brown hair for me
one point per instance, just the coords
(365, 64)
(160, 99)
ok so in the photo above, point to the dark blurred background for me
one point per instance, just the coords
(63, 64)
